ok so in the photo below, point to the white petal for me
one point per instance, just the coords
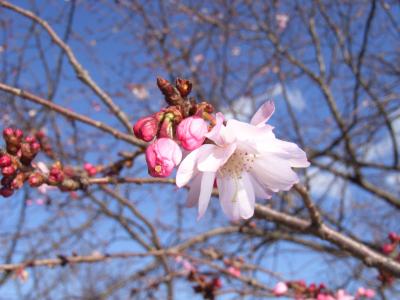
(274, 172)
(227, 195)
(291, 152)
(215, 132)
(194, 191)
(207, 184)
(236, 196)
(260, 191)
(250, 135)
(211, 159)
(263, 113)
(246, 197)
(187, 168)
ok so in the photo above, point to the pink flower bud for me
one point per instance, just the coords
(191, 131)
(8, 171)
(35, 180)
(18, 133)
(388, 248)
(393, 237)
(162, 156)
(8, 132)
(30, 139)
(90, 169)
(146, 128)
(5, 161)
(280, 289)
(217, 283)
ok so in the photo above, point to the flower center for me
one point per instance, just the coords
(239, 162)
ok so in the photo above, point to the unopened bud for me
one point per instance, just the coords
(13, 139)
(5, 161)
(8, 171)
(162, 156)
(56, 174)
(393, 237)
(171, 93)
(146, 128)
(18, 181)
(6, 191)
(8, 132)
(6, 180)
(167, 127)
(184, 86)
(36, 179)
(217, 283)
(29, 149)
(388, 248)
(191, 132)
(18, 133)
(90, 169)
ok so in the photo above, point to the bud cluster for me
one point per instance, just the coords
(90, 169)
(182, 123)
(15, 162)
(391, 249)
(204, 285)
(17, 166)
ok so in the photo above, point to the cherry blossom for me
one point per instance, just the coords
(246, 160)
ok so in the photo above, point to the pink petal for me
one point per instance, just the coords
(211, 159)
(187, 168)
(263, 113)
(207, 184)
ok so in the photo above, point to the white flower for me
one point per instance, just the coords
(247, 161)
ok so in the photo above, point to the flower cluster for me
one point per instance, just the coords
(244, 161)
(300, 291)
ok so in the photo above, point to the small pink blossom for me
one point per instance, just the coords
(342, 295)
(186, 265)
(235, 272)
(282, 20)
(191, 132)
(367, 293)
(280, 289)
(22, 274)
(162, 156)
